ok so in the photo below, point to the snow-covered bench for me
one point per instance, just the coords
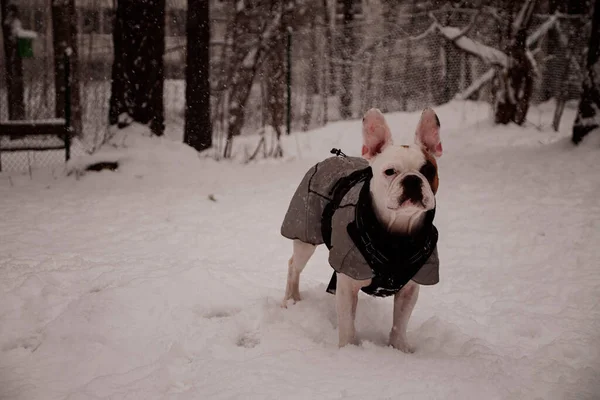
(35, 135)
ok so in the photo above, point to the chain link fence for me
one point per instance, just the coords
(409, 65)
(403, 65)
(95, 56)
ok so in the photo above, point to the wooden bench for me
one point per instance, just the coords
(35, 135)
(40, 135)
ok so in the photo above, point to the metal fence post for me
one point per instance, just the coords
(67, 105)
(289, 81)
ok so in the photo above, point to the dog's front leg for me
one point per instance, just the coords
(346, 298)
(404, 303)
(302, 253)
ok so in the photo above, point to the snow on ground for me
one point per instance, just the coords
(134, 284)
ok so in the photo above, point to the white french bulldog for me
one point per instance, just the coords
(400, 186)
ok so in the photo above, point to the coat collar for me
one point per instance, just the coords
(394, 259)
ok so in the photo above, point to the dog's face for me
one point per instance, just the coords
(405, 177)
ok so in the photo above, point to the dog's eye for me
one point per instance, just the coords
(429, 171)
(390, 172)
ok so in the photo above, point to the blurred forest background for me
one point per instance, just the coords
(331, 59)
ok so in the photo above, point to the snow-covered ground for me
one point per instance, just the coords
(162, 280)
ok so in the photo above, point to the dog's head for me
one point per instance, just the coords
(405, 177)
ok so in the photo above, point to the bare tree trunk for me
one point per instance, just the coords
(568, 55)
(588, 117)
(390, 18)
(242, 68)
(13, 62)
(467, 72)
(327, 70)
(64, 35)
(346, 85)
(407, 70)
(406, 89)
(330, 90)
(452, 58)
(516, 81)
(450, 72)
(275, 66)
(198, 124)
(241, 85)
(367, 96)
(554, 61)
(313, 84)
(255, 28)
(138, 71)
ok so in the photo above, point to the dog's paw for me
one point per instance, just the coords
(294, 296)
(344, 342)
(348, 344)
(403, 346)
(284, 303)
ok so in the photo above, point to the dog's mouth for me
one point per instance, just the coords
(410, 202)
(407, 203)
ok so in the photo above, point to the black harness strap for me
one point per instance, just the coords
(337, 193)
(394, 259)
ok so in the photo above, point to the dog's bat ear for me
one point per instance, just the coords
(428, 133)
(376, 133)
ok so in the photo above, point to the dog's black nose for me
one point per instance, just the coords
(411, 182)
(412, 185)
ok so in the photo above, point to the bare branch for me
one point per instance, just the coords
(564, 41)
(476, 85)
(467, 29)
(420, 36)
(530, 56)
(524, 17)
(488, 54)
(542, 30)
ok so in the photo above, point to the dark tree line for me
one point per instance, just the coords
(14, 64)
(198, 125)
(138, 71)
(257, 32)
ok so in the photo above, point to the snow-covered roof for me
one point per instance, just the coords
(26, 34)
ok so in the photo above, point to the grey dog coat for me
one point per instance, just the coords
(304, 218)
